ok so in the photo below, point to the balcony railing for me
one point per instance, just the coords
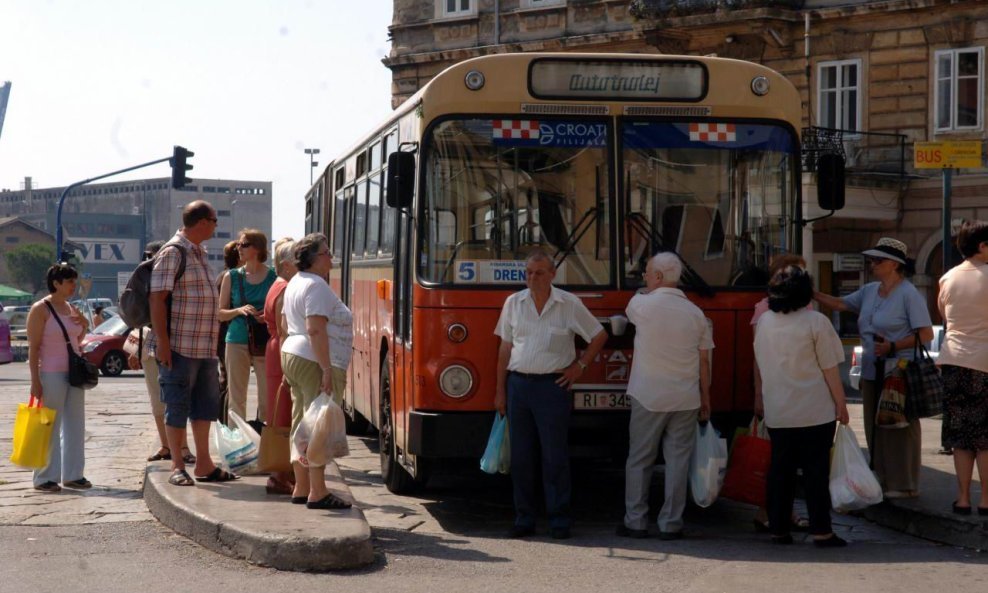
(662, 9)
(878, 153)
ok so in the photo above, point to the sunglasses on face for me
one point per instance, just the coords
(244, 245)
(875, 260)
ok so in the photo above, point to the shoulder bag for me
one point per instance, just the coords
(257, 332)
(924, 386)
(82, 373)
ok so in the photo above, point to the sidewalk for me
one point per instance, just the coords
(239, 519)
(929, 516)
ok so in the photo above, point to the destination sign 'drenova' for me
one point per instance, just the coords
(614, 79)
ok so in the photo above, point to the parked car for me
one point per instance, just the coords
(16, 317)
(854, 374)
(104, 346)
(6, 352)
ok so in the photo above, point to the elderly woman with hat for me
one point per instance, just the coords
(890, 314)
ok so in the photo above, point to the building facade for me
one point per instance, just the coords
(109, 224)
(875, 77)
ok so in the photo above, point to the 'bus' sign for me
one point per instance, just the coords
(563, 78)
(947, 155)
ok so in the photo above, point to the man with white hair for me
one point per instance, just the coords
(670, 389)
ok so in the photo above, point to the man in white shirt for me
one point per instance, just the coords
(536, 365)
(670, 388)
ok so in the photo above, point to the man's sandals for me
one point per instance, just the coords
(165, 454)
(180, 477)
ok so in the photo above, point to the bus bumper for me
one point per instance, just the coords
(464, 434)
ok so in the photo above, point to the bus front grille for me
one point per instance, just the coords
(667, 111)
(556, 109)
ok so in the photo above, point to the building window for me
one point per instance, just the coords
(958, 97)
(839, 96)
(458, 7)
(540, 3)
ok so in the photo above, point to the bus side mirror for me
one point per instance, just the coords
(401, 179)
(830, 182)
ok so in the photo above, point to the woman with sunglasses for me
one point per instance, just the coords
(242, 295)
(890, 313)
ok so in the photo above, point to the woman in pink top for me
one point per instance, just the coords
(963, 362)
(48, 359)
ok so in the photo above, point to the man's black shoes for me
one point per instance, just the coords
(521, 531)
(625, 531)
(559, 533)
(670, 535)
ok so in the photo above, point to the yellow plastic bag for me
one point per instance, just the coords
(32, 434)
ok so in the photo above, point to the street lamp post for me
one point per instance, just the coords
(312, 152)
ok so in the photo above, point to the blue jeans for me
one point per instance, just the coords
(190, 390)
(538, 421)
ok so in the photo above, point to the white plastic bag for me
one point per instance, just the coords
(853, 486)
(237, 446)
(321, 435)
(708, 464)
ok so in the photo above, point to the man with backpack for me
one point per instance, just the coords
(184, 321)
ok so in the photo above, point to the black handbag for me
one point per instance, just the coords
(924, 386)
(82, 373)
(257, 332)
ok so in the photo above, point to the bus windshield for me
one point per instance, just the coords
(718, 194)
(494, 189)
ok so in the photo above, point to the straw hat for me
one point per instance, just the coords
(889, 248)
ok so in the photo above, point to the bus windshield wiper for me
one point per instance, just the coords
(690, 277)
(576, 234)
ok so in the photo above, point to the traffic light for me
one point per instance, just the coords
(180, 166)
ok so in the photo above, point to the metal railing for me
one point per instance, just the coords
(864, 152)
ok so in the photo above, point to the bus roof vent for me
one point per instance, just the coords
(698, 111)
(558, 109)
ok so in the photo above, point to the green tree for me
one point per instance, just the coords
(28, 265)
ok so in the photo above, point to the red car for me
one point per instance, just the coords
(6, 353)
(104, 346)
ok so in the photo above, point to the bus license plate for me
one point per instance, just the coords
(591, 400)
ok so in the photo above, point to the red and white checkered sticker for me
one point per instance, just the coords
(712, 133)
(516, 129)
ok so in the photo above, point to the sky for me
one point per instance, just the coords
(102, 85)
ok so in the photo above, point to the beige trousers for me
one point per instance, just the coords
(238, 365)
(154, 389)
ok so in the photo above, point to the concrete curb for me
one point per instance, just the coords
(946, 528)
(240, 519)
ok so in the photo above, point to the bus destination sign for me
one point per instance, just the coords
(504, 271)
(561, 78)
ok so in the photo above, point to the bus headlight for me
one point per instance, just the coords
(457, 333)
(474, 80)
(455, 381)
(760, 86)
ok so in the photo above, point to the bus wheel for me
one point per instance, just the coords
(395, 477)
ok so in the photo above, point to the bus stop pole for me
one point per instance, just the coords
(947, 247)
(59, 255)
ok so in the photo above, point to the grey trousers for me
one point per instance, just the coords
(677, 433)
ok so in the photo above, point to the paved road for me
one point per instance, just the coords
(448, 539)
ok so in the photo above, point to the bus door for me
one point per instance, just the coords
(346, 273)
(403, 381)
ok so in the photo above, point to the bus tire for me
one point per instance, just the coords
(396, 477)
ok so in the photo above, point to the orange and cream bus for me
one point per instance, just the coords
(602, 160)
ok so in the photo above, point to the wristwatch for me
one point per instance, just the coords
(583, 366)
